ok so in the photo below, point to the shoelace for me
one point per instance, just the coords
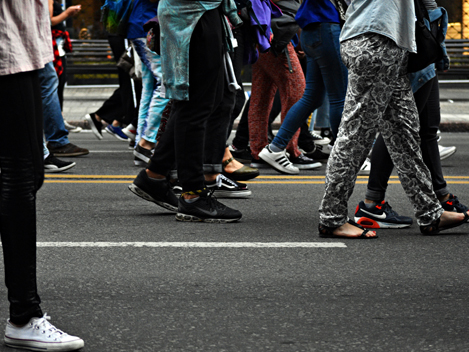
(221, 178)
(44, 325)
(388, 209)
(316, 136)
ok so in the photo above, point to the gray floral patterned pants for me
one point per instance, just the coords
(379, 98)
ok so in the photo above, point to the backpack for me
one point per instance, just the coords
(284, 27)
(115, 16)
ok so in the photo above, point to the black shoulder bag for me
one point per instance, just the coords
(429, 49)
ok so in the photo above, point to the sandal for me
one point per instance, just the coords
(328, 232)
(433, 228)
(243, 174)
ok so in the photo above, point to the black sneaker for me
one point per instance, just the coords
(318, 139)
(320, 153)
(95, 125)
(326, 132)
(380, 216)
(453, 204)
(206, 209)
(68, 150)
(259, 164)
(302, 162)
(224, 187)
(177, 187)
(156, 191)
(142, 154)
(242, 155)
(52, 164)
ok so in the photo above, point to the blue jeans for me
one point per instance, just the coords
(324, 72)
(320, 118)
(151, 103)
(54, 128)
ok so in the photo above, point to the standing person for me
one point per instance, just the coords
(325, 72)
(192, 54)
(379, 98)
(26, 49)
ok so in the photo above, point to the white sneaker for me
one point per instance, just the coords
(320, 140)
(130, 131)
(40, 335)
(72, 128)
(278, 161)
(446, 152)
(366, 167)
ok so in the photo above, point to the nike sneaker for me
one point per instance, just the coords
(381, 216)
(206, 208)
(453, 204)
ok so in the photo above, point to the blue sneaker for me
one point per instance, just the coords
(381, 216)
(116, 132)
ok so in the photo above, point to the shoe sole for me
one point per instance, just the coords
(93, 127)
(144, 195)
(40, 346)
(116, 135)
(69, 154)
(141, 156)
(446, 156)
(276, 166)
(233, 194)
(140, 163)
(59, 169)
(373, 224)
(192, 218)
(308, 167)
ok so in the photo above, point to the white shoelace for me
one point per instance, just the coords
(221, 178)
(44, 325)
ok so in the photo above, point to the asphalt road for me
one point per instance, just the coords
(109, 269)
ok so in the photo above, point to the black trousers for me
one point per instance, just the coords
(195, 135)
(22, 174)
(427, 99)
(120, 105)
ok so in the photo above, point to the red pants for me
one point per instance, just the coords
(270, 73)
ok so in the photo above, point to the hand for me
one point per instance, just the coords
(73, 10)
(301, 54)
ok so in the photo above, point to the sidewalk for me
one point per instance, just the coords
(81, 100)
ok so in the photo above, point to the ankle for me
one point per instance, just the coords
(154, 175)
(443, 198)
(145, 144)
(211, 177)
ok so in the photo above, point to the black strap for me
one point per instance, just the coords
(421, 11)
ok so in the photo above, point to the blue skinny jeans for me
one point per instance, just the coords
(324, 72)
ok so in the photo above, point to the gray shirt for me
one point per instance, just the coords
(394, 19)
(25, 36)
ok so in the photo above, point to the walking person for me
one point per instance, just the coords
(379, 98)
(325, 72)
(26, 49)
(374, 211)
(192, 54)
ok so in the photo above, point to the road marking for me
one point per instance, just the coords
(197, 244)
(312, 180)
